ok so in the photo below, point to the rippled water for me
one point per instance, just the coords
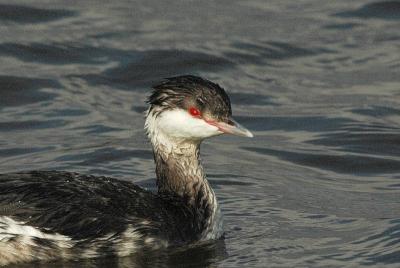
(318, 82)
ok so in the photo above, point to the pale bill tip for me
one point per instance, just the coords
(249, 134)
(239, 130)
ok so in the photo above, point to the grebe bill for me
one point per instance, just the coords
(47, 215)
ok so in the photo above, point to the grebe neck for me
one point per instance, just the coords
(180, 173)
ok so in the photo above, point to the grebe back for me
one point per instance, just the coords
(47, 215)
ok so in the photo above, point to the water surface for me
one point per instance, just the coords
(317, 82)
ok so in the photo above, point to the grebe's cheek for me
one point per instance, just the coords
(179, 123)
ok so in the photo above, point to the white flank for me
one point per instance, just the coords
(127, 242)
(17, 243)
(9, 227)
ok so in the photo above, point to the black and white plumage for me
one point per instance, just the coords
(46, 215)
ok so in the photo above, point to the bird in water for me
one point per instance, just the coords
(47, 215)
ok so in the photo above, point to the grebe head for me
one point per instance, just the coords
(189, 108)
(183, 111)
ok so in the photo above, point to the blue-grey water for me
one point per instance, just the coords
(318, 83)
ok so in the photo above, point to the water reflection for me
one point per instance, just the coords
(200, 256)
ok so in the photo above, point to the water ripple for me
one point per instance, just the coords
(379, 143)
(349, 163)
(8, 126)
(382, 10)
(103, 156)
(26, 14)
(23, 90)
(377, 249)
(260, 53)
(144, 68)
(57, 53)
(298, 123)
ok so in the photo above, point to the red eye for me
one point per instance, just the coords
(194, 111)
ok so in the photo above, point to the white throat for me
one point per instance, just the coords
(177, 126)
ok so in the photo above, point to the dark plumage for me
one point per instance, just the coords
(86, 207)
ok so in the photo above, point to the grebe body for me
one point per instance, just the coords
(47, 215)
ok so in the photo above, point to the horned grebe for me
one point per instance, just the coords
(47, 215)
